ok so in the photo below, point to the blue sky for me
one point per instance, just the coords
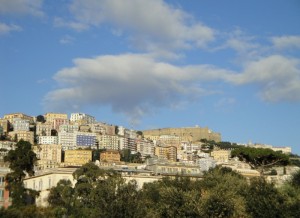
(233, 66)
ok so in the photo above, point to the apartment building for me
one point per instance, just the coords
(25, 135)
(175, 169)
(49, 156)
(82, 118)
(110, 156)
(4, 124)
(46, 140)
(168, 152)
(67, 140)
(145, 147)
(86, 139)
(57, 122)
(5, 200)
(68, 128)
(77, 157)
(22, 116)
(50, 117)
(110, 142)
(43, 129)
(20, 124)
(221, 156)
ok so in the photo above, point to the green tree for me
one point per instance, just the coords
(260, 158)
(21, 161)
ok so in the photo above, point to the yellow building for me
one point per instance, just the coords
(11, 117)
(168, 152)
(220, 155)
(110, 156)
(77, 157)
(49, 117)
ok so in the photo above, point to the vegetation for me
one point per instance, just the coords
(221, 193)
(260, 158)
(21, 161)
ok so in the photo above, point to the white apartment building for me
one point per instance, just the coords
(44, 140)
(108, 141)
(68, 128)
(82, 118)
(206, 163)
(145, 147)
(67, 140)
(21, 124)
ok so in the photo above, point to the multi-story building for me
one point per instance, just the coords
(82, 118)
(86, 139)
(1, 131)
(43, 129)
(5, 147)
(67, 140)
(68, 128)
(175, 169)
(10, 117)
(110, 156)
(5, 200)
(168, 152)
(5, 125)
(46, 140)
(220, 156)
(145, 147)
(108, 141)
(20, 124)
(49, 117)
(77, 157)
(49, 156)
(192, 134)
(25, 135)
(57, 122)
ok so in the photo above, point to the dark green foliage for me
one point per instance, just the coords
(126, 156)
(264, 200)
(40, 118)
(260, 158)
(21, 161)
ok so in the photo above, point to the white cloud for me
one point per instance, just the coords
(21, 7)
(278, 77)
(59, 22)
(286, 42)
(7, 28)
(152, 24)
(133, 84)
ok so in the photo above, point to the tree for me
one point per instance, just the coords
(21, 161)
(40, 118)
(260, 158)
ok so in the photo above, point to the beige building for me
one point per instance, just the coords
(49, 156)
(186, 133)
(25, 135)
(77, 157)
(49, 117)
(175, 169)
(168, 152)
(220, 156)
(110, 142)
(43, 129)
(110, 156)
(11, 117)
(57, 122)
(5, 125)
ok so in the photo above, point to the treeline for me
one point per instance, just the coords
(221, 193)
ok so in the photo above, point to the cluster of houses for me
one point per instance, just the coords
(63, 144)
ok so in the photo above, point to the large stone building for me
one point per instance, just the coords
(192, 134)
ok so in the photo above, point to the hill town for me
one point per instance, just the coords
(63, 144)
